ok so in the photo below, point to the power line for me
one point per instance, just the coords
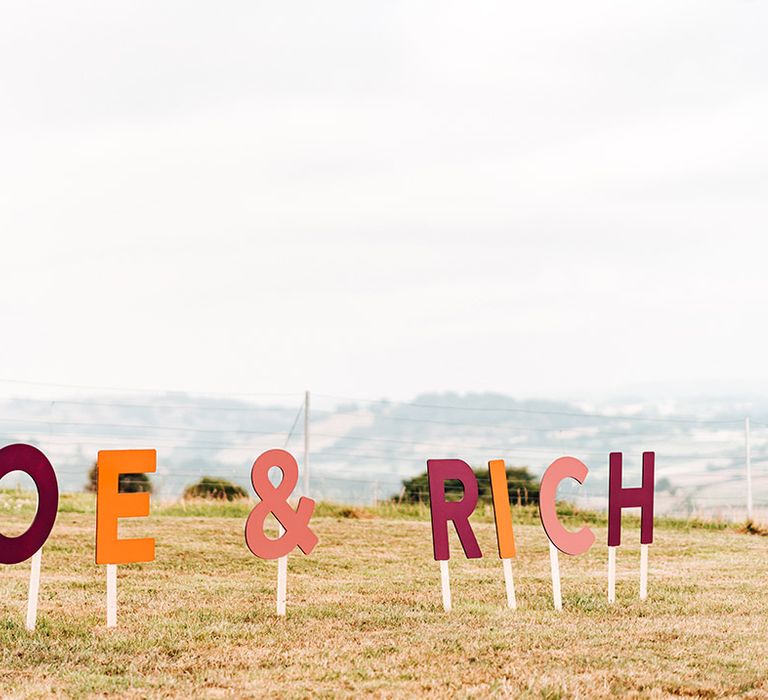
(575, 414)
(517, 448)
(108, 404)
(139, 427)
(143, 391)
(497, 426)
(536, 411)
(442, 444)
(98, 441)
(295, 423)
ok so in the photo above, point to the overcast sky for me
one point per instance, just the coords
(377, 199)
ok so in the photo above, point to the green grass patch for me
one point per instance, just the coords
(365, 617)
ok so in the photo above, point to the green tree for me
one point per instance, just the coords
(523, 487)
(127, 483)
(215, 488)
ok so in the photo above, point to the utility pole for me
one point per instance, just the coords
(749, 468)
(306, 443)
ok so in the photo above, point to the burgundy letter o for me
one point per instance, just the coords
(28, 459)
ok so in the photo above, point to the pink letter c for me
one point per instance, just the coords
(566, 541)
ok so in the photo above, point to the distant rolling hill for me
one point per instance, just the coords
(361, 450)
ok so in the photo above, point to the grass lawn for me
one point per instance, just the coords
(365, 614)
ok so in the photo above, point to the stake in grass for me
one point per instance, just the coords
(14, 550)
(509, 584)
(293, 525)
(111, 505)
(619, 498)
(554, 563)
(111, 595)
(282, 578)
(442, 511)
(612, 574)
(572, 543)
(34, 589)
(502, 516)
(445, 585)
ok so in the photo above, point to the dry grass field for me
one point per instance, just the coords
(365, 616)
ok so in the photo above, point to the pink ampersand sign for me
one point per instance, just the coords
(274, 499)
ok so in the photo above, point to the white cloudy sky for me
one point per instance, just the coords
(376, 199)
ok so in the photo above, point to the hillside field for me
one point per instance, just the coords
(365, 614)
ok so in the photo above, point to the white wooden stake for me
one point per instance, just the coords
(111, 595)
(445, 583)
(555, 564)
(748, 451)
(611, 574)
(282, 584)
(643, 571)
(34, 589)
(509, 583)
(282, 580)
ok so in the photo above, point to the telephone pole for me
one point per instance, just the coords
(306, 443)
(748, 456)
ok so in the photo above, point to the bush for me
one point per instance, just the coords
(215, 489)
(523, 487)
(127, 483)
